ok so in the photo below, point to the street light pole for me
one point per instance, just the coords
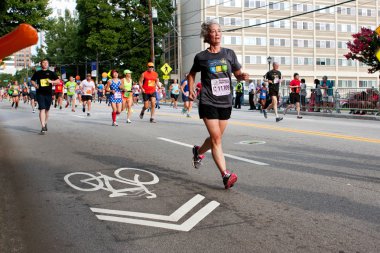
(151, 32)
(269, 59)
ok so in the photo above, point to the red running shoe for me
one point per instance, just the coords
(197, 159)
(229, 180)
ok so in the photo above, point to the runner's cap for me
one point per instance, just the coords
(127, 71)
(150, 64)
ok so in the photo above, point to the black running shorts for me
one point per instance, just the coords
(212, 112)
(294, 98)
(86, 98)
(44, 102)
(147, 97)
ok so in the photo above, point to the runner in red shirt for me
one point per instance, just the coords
(148, 82)
(59, 93)
(295, 88)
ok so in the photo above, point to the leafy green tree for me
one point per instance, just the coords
(22, 75)
(15, 12)
(7, 77)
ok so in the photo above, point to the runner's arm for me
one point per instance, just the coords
(141, 82)
(241, 76)
(190, 80)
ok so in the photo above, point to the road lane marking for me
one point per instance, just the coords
(292, 130)
(185, 226)
(174, 217)
(226, 155)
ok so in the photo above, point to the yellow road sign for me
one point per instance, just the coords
(166, 77)
(166, 69)
(378, 54)
(378, 30)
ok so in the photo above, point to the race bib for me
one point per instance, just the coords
(44, 82)
(88, 92)
(276, 80)
(71, 89)
(117, 94)
(186, 93)
(15, 92)
(151, 82)
(221, 87)
(32, 88)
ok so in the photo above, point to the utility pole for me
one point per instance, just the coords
(97, 66)
(151, 32)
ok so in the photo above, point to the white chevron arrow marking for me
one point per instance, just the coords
(186, 226)
(176, 216)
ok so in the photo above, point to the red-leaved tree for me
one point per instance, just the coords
(364, 47)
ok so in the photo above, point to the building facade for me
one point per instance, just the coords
(311, 44)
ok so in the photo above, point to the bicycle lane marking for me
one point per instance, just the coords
(226, 155)
(290, 130)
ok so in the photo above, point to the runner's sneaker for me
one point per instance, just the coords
(265, 113)
(183, 111)
(46, 127)
(278, 119)
(43, 130)
(84, 109)
(229, 180)
(188, 115)
(129, 121)
(152, 120)
(299, 117)
(88, 114)
(114, 124)
(197, 159)
(141, 115)
(34, 111)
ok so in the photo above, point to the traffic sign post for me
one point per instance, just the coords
(166, 77)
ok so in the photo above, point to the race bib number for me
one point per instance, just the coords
(71, 89)
(15, 92)
(32, 88)
(44, 82)
(221, 87)
(88, 92)
(117, 95)
(151, 82)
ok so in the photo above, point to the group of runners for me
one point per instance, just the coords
(214, 93)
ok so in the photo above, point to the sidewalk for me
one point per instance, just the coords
(342, 115)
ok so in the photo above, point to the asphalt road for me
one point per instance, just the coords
(310, 185)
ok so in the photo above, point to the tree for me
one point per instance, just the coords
(15, 12)
(119, 33)
(22, 75)
(364, 47)
(5, 79)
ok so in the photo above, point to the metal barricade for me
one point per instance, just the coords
(357, 100)
(354, 100)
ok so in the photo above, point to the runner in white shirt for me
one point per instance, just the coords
(88, 87)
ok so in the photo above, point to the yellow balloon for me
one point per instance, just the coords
(104, 74)
(109, 74)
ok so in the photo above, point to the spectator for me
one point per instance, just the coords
(303, 94)
(252, 91)
(328, 92)
(318, 95)
(239, 94)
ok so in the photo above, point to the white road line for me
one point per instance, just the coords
(226, 155)
(82, 117)
(176, 216)
(185, 226)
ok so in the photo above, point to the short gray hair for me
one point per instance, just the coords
(205, 29)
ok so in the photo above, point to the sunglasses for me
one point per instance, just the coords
(151, 67)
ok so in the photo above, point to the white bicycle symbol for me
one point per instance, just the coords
(96, 183)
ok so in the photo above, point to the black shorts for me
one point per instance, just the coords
(58, 95)
(147, 97)
(175, 96)
(44, 102)
(86, 98)
(273, 90)
(212, 112)
(294, 98)
(136, 94)
(32, 95)
(25, 94)
(185, 98)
